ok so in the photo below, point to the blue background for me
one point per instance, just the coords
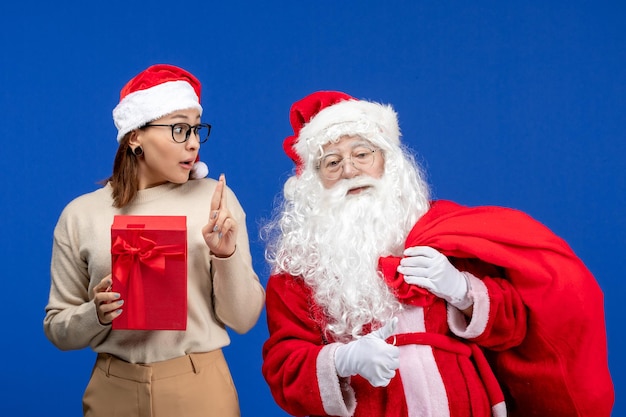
(519, 104)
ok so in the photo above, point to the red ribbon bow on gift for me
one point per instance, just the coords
(130, 258)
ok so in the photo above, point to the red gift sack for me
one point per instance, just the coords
(149, 268)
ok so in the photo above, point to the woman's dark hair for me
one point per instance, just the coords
(124, 180)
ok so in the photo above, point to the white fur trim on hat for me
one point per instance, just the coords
(143, 106)
(375, 122)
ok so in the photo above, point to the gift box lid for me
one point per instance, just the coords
(152, 222)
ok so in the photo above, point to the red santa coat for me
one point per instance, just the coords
(437, 375)
(545, 375)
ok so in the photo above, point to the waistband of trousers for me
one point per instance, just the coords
(193, 362)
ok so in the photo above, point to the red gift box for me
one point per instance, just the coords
(149, 268)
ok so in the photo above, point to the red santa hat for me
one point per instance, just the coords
(153, 93)
(325, 116)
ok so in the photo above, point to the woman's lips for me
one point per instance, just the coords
(187, 164)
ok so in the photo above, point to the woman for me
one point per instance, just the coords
(156, 172)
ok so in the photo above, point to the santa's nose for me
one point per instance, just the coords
(349, 170)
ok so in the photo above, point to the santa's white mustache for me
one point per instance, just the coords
(342, 188)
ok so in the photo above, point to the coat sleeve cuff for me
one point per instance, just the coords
(337, 395)
(458, 322)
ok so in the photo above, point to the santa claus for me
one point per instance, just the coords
(384, 303)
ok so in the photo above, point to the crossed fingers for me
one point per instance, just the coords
(220, 232)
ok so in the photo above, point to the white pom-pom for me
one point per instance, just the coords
(199, 170)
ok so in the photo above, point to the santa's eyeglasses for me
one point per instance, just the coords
(331, 166)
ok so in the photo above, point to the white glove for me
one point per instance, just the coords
(370, 356)
(428, 268)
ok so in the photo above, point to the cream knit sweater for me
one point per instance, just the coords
(220, 291)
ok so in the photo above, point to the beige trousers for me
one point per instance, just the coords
(195, 385)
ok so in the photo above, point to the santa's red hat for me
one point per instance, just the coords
(153, 93)
(324, 116)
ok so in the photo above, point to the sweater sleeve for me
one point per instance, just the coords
(238, 295)
(71, 321)
(297, 364)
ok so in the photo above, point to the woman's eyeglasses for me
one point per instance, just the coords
(182, 131)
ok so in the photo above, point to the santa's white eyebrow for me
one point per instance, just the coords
(363, 143)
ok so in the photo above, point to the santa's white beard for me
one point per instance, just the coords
(336, 248)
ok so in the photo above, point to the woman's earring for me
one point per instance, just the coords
(138, 151)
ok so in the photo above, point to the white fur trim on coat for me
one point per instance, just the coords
(338, 397)
(480, 315)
